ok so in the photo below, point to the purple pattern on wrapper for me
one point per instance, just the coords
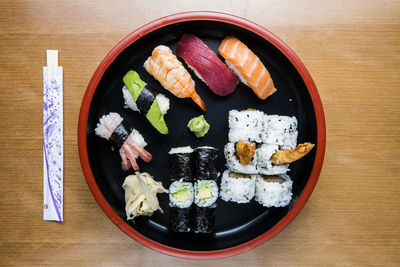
(53, 147)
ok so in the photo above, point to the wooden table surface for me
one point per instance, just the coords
(352, 50)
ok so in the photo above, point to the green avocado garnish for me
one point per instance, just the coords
(135, 86)
(182, 195)
(199, 126)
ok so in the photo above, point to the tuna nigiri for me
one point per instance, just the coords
(206, 65)
(247, 66)
(168, 70)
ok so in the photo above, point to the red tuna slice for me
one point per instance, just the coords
(207, 65)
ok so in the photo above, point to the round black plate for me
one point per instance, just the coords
(236, 224)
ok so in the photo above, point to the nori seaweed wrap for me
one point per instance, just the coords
(119, 135)
(204, 158)
(181, 164)
(203, 219)
(179, 219)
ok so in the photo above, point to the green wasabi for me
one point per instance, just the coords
(145, 100)
(199, 126)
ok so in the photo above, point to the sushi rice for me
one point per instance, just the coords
(273, 194)
(163, 101)
(281, 131)
(246, 125)
(238, 189)
(181, 150)
(264, 163)
(236, 71)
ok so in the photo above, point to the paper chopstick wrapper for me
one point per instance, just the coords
(53, 153)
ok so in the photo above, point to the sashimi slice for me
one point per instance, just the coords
(247, 66)
(206, 65)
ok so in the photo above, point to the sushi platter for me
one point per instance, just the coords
(201, 135)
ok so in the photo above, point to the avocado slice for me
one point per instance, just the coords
(204, 190)
(182, 195)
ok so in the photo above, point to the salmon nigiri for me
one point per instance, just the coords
(247, 66)
(169, 71)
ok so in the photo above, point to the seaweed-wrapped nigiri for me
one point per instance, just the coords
(142, 98)
(247, 66)
(130, 143)
(206, 65)
(168, 70)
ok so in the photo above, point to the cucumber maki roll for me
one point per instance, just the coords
(203, 219)
(142, 98)
(204, 158)
(181, 164)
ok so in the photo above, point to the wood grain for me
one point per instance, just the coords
(352, 50)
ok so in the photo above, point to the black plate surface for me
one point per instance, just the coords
(235, 223)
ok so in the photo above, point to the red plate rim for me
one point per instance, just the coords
(211, 16)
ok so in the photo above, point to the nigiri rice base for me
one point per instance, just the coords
(138, 139)
(163, 101)
(236, 71)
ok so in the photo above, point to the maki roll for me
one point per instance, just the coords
(237, 187)
(204, 158)
(180, 201)
(273, 190)
(205, 197)
(203, 219)
(184, 215)
(181, 164)
(130, 143)
(142, 98)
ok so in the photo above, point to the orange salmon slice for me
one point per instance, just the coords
(252, 71)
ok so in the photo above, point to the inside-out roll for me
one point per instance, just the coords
(237, 187)
(273, 190)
